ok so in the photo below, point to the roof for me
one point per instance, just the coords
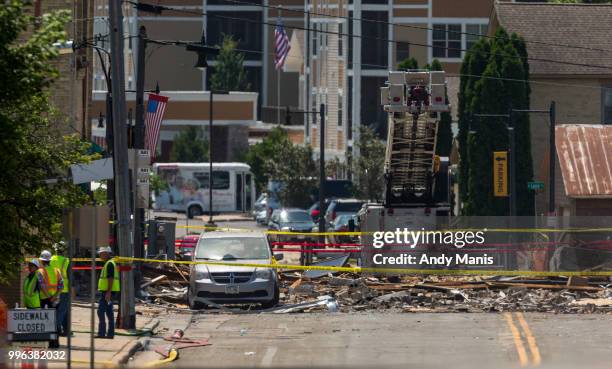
(584, 25)
(223, 234)
(585, 157)
(205, 165)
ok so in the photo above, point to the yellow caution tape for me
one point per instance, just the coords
(357, 270)
(495, 230)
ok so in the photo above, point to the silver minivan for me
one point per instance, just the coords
(226, 284)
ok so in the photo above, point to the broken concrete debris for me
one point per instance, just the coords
(166, 285)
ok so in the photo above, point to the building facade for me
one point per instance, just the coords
(233, 114)
(353, 44)
(569, 64)
(250, 22)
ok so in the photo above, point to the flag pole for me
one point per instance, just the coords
(278, 77)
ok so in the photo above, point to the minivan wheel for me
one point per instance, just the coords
(272, 303)
(194, 305)
(194, 211)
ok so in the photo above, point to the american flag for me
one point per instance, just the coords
(282, 45)
(156, 106)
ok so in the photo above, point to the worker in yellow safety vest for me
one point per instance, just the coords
(62, 264)
(108, 286)
(31, 289)
(51, 284)
(51, 281)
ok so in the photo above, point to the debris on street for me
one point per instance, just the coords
(166, 285)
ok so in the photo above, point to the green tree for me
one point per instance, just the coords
(407, 64)
(32, 150)
(259, 153)
(444, 141)
(189, 146)
(474, 64)
(293, 166)
(229, 73)
(368, 167)
(500, 86)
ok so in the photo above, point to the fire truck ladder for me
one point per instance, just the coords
(410, 157)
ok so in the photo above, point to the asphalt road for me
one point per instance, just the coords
(379, 339)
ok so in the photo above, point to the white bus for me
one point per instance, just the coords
(187, 188)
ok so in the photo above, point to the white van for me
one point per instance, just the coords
(187, 188)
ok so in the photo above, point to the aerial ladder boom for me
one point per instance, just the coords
(414, 175)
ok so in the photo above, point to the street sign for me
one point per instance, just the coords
(500, 173)
(31, 324)
(535, 185)
(97, 170)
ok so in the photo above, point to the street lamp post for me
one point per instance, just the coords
(211, 222)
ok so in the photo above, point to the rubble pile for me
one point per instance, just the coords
(167, 285)
(454, 294)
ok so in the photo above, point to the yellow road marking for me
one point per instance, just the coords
(518, 343)
(531, 341)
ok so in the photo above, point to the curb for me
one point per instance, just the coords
(123, 356)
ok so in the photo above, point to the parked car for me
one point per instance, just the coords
(315, 212)
(259, 204)
(341, 224)
(186, 246)
(224, 284)
(261, 216)
(342, 206)
(290, 220)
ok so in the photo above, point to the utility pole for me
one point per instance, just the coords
(139, 131)
(321, 176)
(512, 159)
(210, 223)
(121, 170)
(552, 153)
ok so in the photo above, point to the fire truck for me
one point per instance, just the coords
(417, 181)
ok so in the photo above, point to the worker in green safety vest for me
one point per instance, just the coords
(108, 286)
(51, 284)
(31, 289)
(62, 264)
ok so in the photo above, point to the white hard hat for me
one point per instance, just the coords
(105, 249)
(45, 255)
(35, 262)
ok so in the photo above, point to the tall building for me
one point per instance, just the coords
(352, 44)
(250, 22)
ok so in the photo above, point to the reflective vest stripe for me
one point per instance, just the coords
(51, 282)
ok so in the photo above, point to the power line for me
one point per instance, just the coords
(424, 28)
(367, 37)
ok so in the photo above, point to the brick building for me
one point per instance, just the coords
(353, 44)
(581, 88)
(71, 92)
(233, 114)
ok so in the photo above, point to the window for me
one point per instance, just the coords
(339, 110)
(314, 40)
(607, 106)
(221, 179)
(447, 41)
(247, 33)
(340, 37)
(472, 31)
(402, 51)
(374, 46)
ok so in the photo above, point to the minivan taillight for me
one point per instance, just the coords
(333, 215)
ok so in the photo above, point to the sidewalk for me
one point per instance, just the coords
(108, 353)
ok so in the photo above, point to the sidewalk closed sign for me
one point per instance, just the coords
(31, 321)
(500, 173)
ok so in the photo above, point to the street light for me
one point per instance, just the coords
(211, 223)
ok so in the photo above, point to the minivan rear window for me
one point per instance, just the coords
(347, 207)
